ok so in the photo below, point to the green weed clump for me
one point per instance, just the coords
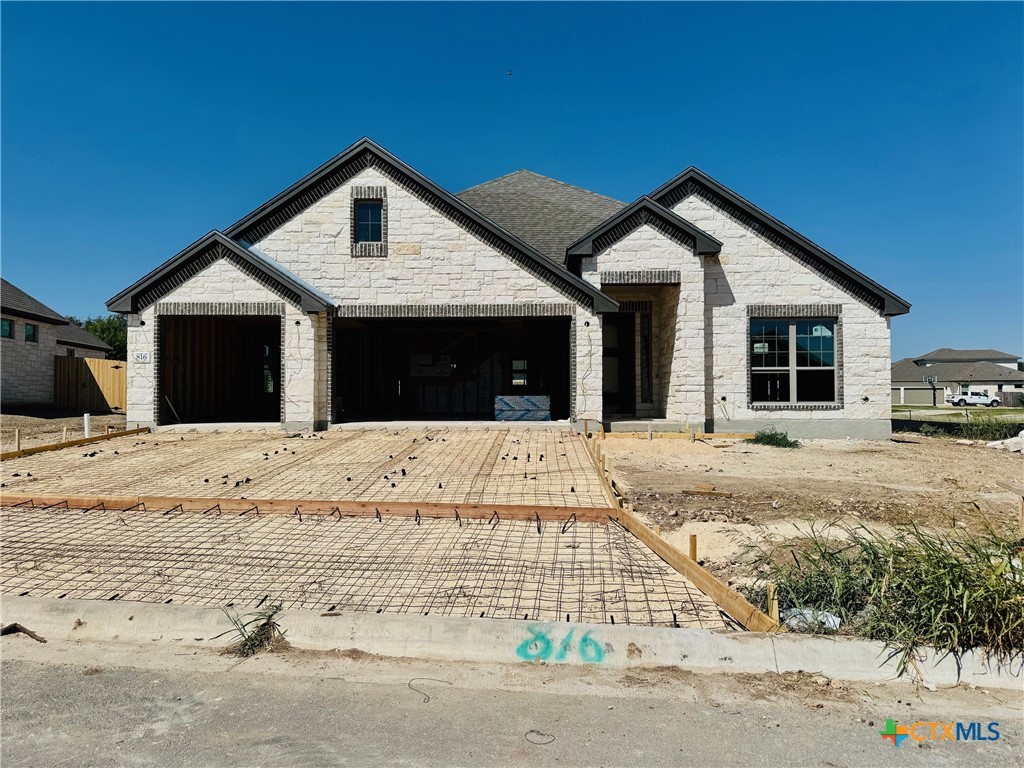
(930, 430)
(771, 436)
(909, 589)
(983, 426)
(255, 632)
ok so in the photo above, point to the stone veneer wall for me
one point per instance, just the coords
(223, 289)
(26, 367)
(753, 271)
(430, 267)
(649, 254)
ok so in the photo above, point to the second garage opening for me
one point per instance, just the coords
(220, 369)
(448, 369)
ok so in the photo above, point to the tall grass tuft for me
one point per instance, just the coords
(983, 426)
(255, 632)
(911, 588)
(771, 436)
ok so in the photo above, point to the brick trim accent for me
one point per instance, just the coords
(456, 310)
(203, 260)
(806, 258)
(636, 306)
(219, 308)
(640, 277)
(797, 311)
(369, 250)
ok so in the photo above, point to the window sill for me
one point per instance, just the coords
(795, 406)
(370, 250)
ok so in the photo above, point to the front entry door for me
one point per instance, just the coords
(619, 363)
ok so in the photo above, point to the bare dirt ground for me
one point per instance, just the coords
(779, 492)
(45, 426)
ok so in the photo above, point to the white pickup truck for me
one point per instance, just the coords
(972, 398)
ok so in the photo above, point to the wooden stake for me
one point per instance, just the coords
(64, 437)
(693, 547)
(773, 601)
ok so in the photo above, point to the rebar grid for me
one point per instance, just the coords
(501, 569)
(449, 466)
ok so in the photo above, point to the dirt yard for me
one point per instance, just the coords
(780, 492)
(45, 426)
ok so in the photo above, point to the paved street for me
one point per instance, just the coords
(83, 704)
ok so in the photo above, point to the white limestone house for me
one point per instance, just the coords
(366, 292)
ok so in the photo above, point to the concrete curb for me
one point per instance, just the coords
(506, 641)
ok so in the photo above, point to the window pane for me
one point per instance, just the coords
(814, 343)
(31, 332)
(369, 222)
(816, 386)
(769, 341)
(6, 329)
(770, 387)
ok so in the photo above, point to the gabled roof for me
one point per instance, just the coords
(365, 153)
(982, 372)
(945, 354)
(693, 181)
(14, 301)
(636, 214)
(201, 254)
(75, 336)
(546, 213)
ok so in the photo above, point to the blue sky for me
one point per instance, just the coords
(890, 134)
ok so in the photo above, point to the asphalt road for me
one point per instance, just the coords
(90, 705)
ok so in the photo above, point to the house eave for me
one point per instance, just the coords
(891, 304)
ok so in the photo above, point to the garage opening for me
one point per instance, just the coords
(220, 369)
(448, 369)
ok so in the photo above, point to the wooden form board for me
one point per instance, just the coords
(70, 443)
(728, 599)
(598, 515)
(683, 435)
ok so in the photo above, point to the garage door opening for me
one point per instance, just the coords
(448, 369)
(220, 369)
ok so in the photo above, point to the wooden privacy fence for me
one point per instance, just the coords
(90, 384)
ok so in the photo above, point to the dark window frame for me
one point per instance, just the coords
(788, 367)
(373, 195)
(35, 333)
(373, 206)
(10, 329)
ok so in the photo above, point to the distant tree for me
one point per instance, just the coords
(111, 329)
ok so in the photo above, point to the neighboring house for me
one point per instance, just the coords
(926, 380)
(367, 292)
(31, 334)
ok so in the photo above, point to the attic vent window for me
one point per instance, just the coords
(369, 221)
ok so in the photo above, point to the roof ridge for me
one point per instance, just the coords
(546, 178)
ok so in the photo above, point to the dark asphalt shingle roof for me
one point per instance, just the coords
(946, 354)
(906, 370)
(548, 214)
(15, 301)
(76, 336)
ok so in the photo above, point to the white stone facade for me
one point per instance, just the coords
(432, 264)
(26, 367)
(752, 270)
